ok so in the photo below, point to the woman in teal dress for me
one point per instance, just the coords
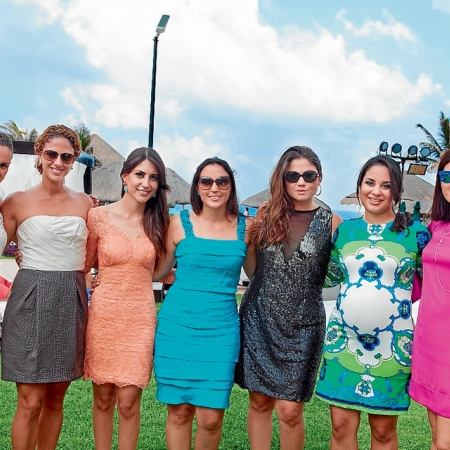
(197, 336)
(366, 362)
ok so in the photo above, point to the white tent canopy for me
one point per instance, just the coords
(22, 175)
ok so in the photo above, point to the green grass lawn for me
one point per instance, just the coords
(77, 430)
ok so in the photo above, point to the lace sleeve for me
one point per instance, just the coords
(91, 246)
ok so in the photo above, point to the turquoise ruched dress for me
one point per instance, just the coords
(197, 336)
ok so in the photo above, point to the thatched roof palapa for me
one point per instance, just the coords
(255, 200)
(104, 152)
(107, 186)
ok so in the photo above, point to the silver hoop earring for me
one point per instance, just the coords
(318, 193)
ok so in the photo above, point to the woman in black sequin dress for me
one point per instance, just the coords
(282, 313)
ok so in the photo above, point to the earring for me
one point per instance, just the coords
(125, 188)
(320, 187)
(154, 195)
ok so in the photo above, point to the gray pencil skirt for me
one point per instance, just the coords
(44, 327)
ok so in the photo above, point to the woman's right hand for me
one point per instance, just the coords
(18, 257)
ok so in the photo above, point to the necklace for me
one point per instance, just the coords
(435, 259)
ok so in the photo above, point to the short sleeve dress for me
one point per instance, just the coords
(197, 337)
(283, 316)
(368, 343)
(430, 385)
(122, 316)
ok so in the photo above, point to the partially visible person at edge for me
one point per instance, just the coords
(282, 312)
(366, 362)
(6, 154)
(125, 238)
(45, 317)
(197, 336)
(430, 385)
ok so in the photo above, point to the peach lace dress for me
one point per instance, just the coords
(122, 318)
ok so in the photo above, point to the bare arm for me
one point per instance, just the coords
(337, 220)
(8, 210)
(174, 236)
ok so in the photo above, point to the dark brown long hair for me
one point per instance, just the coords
(440, 209)
(156, 214)
(402, 220)
(196, 201)
(275, 224)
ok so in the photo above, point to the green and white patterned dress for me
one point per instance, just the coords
(366, 361)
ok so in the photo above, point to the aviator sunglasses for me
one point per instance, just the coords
(444, 176)
(309, 176)
(51, 155)
(223, 182)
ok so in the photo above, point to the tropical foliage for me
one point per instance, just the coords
(441, 143)
(19, 134)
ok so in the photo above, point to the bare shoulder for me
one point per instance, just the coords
(176, 231)
(16, 198)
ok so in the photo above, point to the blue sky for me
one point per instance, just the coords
(240, 79)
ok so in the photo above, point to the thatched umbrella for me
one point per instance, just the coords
(103, 151)
(255, 200)
(414, 189)
(106, 185)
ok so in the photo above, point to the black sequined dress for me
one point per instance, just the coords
(283, 317)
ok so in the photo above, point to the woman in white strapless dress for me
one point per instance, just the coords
(45, 318)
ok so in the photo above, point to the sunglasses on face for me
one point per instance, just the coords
(51, 155)
(222, 183)
(444, 176)
(309, 176)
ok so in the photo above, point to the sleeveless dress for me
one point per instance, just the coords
(197, 337)
(122, 315)
(368, 343)
(283, 316)
(45, 318)
(430, 385)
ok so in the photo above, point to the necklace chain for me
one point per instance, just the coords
(435, 259)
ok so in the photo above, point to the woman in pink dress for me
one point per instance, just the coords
(430, 383)
(125, 237)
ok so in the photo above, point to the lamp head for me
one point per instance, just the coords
(162, 24)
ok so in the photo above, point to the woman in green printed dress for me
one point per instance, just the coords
(367, 351)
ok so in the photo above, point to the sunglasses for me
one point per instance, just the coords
(444, 176)
(222, 183)
(309, 176)
(51, 155)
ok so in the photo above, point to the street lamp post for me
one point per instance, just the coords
(159, 29)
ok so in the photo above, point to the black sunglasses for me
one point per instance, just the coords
(51, 155)
(309, 176)
(223, 182)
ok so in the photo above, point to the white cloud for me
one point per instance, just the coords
(375, 28)
(442, 5)
(48, 10)
(219, 53)
(174, 149)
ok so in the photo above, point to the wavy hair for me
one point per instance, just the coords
(440, 209)
(196, 201)
(156, 214)
(402, 220)
(54, 131)
(6, 141)
(275, 223)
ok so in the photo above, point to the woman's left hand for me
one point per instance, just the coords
(95, 200)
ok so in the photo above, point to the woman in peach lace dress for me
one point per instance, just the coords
(125, 238)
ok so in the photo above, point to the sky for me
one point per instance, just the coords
(242, 79)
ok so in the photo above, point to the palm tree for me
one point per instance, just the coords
(439, 145)
(84, 134)
(19, 134)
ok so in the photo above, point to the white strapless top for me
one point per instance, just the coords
(3, 237)
(53, 243)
